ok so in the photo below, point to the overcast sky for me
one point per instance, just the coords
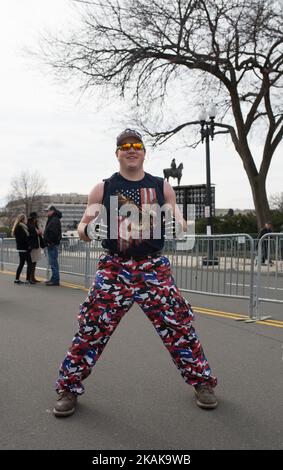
(46, 128)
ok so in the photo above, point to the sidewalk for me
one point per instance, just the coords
(135, 397)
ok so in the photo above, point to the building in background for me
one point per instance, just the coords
(196, 195)
(71, 205)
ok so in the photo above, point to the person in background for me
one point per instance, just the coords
(52, 237)
(264, 253)
(21, 233)
(173, 164)
(35, 242)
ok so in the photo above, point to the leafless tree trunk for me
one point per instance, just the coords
(145, 49)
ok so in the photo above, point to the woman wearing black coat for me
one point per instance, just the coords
(36, 241)
(21, 234)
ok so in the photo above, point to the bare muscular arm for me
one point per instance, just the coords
(170, 198)
(93, 209)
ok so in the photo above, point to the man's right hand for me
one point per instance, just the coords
(96, 230)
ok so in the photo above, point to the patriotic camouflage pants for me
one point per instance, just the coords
(117, 285)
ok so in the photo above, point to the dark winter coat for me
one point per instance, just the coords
(263, 231)
(53, 232)
(22, 239)
(34, 239)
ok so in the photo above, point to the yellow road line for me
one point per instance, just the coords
(8, 272)
(232, 315)
(203, 310)
(270, 324)
(63, 284)
(274, 323)
(216, 314)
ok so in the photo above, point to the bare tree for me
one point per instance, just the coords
(26, 193)
(145, 49)
(276, 201)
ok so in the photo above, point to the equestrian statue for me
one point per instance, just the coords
(173, 171)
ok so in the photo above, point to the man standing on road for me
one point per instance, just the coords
(266, 243)
(52, 237)
(132, 269)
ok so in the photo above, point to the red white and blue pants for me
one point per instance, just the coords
(117, 285)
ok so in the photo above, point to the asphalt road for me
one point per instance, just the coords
(135, 397)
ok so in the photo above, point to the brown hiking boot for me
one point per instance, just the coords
(65, 404)
(205, 396)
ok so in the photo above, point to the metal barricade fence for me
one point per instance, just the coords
(235, 270)
(1, 255)
(269, 273)
(74, 258)
(79, 258)
(231, 274)
(218, 265)
(9, 254)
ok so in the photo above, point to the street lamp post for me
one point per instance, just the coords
(207, 133)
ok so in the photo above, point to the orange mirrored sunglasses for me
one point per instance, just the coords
(136, 146)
